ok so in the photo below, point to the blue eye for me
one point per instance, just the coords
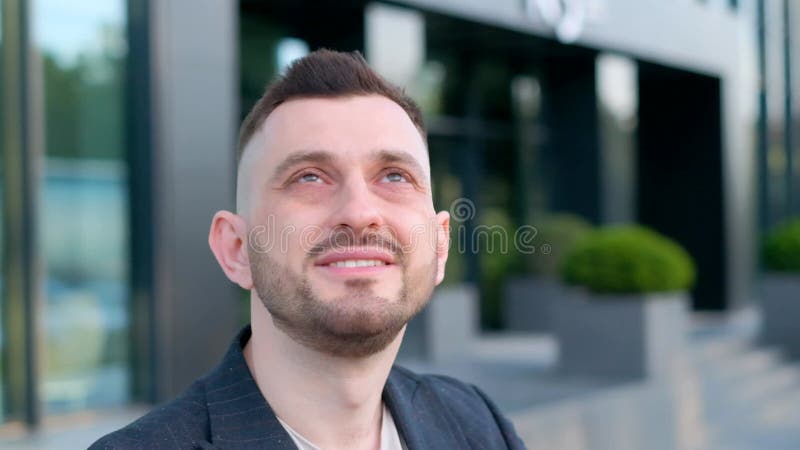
(310, 178)
(395, 177)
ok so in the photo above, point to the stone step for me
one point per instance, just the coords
(782, 410)
(781, 380)
(709, 350)
(754, 403)
(773, 425)
(737, 388)
(738, 366)
(757, 440)
(761, 411)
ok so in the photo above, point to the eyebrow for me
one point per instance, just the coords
(386, 156)
(312, 156)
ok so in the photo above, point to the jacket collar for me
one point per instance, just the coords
(421, 418)
(240, 417)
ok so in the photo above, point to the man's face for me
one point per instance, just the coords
(345, 245)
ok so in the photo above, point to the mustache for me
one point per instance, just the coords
(345, 238)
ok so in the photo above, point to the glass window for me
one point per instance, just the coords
(266, 50)
(83, 217)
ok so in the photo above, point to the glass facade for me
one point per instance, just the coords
(83, 204)
(776, 23)
(64, 340)
(502, 108)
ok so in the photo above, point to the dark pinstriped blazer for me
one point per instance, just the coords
(225, 410)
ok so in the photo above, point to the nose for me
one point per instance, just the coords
(357, 208)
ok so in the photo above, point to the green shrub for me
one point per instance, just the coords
(781, 247)
(628, 259)
(556, 234)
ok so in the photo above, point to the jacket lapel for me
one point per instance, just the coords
(422, 420)
(239, 416)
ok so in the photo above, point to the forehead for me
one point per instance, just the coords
(348, 127)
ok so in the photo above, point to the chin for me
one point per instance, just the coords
(364, 316)
(366, 291)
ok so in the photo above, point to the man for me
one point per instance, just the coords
(337, 240)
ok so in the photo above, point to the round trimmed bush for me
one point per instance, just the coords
(781, 247)
(628, 259)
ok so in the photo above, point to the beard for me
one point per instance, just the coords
(358, 324)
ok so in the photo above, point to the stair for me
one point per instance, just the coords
(750, 395)
(726, 393)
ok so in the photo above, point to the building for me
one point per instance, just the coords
(120, 119)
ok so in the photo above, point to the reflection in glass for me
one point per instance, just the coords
(266, 50)
(288, 50)
(618, 106)
(83, 213)
(447, 189)
(395, 41)
(777, 165)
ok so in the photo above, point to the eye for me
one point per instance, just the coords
(395, 177)
(309, 178)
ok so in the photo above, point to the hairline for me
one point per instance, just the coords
(245, 146)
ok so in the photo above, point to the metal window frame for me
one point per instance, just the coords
(22, 122)
(139, 144)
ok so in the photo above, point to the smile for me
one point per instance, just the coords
(357, 263)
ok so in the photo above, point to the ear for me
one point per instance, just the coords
(228, 241)
(442, 243)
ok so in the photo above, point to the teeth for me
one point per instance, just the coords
(358, 263)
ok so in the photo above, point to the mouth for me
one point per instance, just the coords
(351, 262)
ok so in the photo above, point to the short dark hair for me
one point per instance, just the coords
(327, 74)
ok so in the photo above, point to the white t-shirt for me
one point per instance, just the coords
(390, 438)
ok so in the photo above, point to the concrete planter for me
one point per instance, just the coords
(527, 303)
(446, 328)
(625, 336)
(780, 310)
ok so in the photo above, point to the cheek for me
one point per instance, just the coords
(297, 232)
(272, 234)
(417, 235)
(288, 220)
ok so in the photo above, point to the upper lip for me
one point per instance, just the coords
(345, 254)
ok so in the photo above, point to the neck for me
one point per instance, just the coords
(332, 401)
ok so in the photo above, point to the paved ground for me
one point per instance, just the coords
(71, 432)
(726, 395)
